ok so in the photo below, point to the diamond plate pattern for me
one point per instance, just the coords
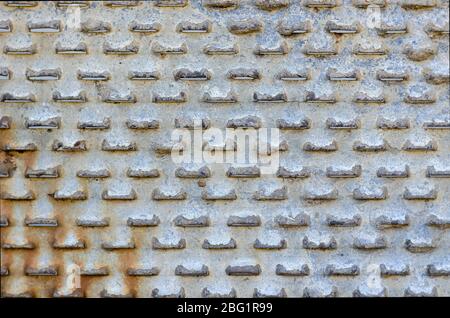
(92, 204)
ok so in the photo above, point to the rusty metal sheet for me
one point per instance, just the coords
(96, 202)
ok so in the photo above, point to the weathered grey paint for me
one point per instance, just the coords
(359, 88)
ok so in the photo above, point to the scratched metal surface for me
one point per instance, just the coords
(92, 205)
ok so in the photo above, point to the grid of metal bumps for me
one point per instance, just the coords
(92, 204)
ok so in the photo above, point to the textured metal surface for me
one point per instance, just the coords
(93, 205)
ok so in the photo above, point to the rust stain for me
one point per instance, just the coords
(128, 260)
(5, 210)
(85, 283)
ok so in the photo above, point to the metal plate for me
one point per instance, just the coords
(93, 203)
